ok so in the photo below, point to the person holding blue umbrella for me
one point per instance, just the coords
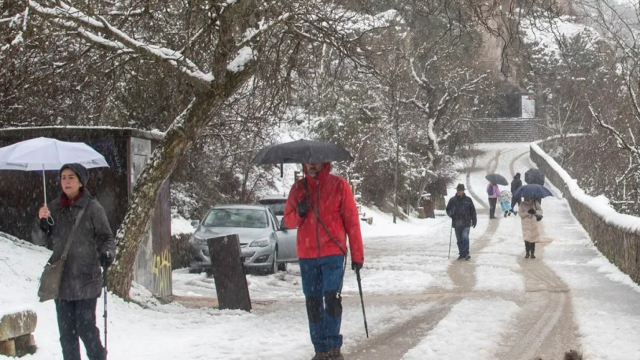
(530, 212)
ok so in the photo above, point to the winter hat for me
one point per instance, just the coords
(517, 176)
(460, 187)
(81, 172)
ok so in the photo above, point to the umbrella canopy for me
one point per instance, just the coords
(534, 176)
(532, 191)
(497, 179)
(301, 152)
(48, 154)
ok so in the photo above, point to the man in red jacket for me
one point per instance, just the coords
(323, 209)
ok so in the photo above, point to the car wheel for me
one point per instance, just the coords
(282, 267)
(274, 265)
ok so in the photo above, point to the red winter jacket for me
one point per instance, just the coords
(331, 196)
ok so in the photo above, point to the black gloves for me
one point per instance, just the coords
(532, 211)
(303, 208)
(474, 224)
(356, 266)
(45, 226)
(106, 259)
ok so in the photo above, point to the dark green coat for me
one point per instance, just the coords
(82, 276)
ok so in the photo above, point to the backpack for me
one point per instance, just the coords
(490, 190)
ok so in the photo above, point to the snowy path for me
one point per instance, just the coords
(543, 322)
(419, 304)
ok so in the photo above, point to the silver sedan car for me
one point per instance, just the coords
(265, 244)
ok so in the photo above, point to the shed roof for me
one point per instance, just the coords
(53, 131)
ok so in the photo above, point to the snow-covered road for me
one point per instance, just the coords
(419, 303)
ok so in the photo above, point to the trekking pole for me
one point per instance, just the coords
(104, 286)
(366, 329)
(450, 233)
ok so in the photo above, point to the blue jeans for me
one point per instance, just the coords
(321, 279)
(462, 235)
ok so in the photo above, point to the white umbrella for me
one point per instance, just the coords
(48, 154)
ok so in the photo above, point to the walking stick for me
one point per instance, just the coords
(450, 233)
(364, 315)
(104, 286)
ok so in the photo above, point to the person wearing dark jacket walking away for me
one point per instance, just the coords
(530, 212)
(516, 183)
(323, 209)
(93, 247)
(462, 212)
(493, 193)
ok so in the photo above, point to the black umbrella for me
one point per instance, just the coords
(497, 179)
(534, 176)
(532, 191)
(301, 152)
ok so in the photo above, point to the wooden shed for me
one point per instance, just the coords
(126, 151)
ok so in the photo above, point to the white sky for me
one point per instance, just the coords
(401, 261)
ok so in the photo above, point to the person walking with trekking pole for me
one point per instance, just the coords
(78, 218)
(462, 212)
(322, 207)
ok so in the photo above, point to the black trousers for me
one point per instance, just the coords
(530, 247)
(515, 201)
(492, 207)
(77, 319)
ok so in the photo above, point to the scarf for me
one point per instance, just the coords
(66, 202)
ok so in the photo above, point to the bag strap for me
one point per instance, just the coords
(315, 211)
(343, 250)
(70, 240)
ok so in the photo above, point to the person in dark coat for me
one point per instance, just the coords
(462, 212)
(516, 183)
(427, 206)
(93, 246)
(322, 207)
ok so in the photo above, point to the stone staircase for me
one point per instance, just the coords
(506, 130)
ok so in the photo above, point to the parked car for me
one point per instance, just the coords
(276, 203)
(265, 246)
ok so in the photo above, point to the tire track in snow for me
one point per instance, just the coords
(397, 340)
(543, 327)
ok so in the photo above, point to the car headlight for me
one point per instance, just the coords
(195, 239)
(260, 242)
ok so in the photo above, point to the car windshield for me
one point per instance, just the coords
(243, 218)
(277, 206)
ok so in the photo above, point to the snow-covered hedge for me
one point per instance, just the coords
(616, 235)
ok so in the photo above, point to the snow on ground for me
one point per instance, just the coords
(482, 324)
(407, 258)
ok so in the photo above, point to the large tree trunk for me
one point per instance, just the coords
(180, 137)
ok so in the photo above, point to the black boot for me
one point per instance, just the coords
(335, 354)
(533, 250)
(321, 356)
(527, 247)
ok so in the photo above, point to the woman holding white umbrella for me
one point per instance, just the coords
(81, 220)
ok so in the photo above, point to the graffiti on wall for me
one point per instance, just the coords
(161, 271)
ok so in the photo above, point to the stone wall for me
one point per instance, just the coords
(621, 246)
